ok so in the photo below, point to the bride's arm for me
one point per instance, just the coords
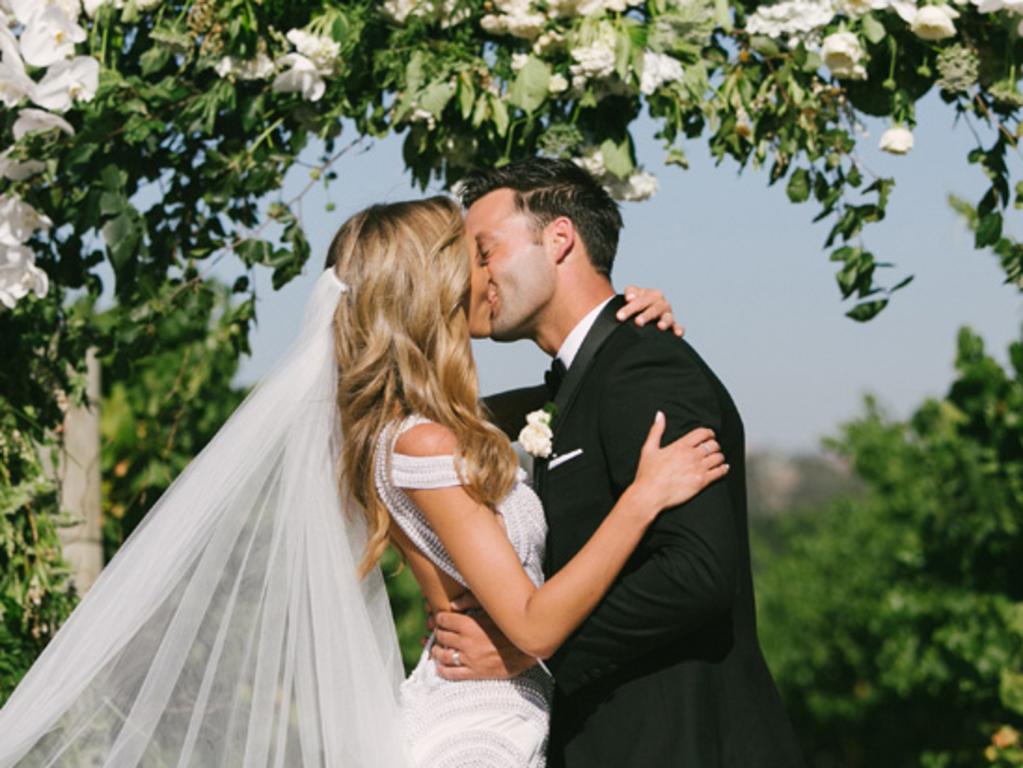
(538, 620)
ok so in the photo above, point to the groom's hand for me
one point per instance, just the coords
(484, 653)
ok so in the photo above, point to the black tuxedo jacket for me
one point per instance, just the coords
(667, 670)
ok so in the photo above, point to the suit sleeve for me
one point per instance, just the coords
(508, 409)
(684, 575)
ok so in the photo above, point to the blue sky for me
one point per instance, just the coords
(748, 275)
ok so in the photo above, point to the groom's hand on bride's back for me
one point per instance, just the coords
(646, 304)
(483, 652)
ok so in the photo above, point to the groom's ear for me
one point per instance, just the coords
(560, 238)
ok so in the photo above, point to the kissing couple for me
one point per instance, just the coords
(606, 613)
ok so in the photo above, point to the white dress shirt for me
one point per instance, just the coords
(574, 340)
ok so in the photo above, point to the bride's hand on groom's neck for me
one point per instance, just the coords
(646, 304)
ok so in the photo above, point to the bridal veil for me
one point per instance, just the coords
(231, 628)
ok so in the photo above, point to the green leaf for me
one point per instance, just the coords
(529, 89)
(154, 59)
(989, 230)
(798, 188)
(255, 252)
(466, 95)
(677, 156)
(867, 310)
(122, 235)
(436, 97)
(873, 29)
(617, 158)
(764, 45)
(499, 111)
(623, 54)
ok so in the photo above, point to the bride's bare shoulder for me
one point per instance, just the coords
(428, 439)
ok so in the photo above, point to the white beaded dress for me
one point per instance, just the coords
(477, 723)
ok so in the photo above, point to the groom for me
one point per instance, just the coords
(667, 671)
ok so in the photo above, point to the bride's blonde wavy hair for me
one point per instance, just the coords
(401, 337)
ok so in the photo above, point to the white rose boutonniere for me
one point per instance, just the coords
(536, 437)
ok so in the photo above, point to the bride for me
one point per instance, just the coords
(246, 622)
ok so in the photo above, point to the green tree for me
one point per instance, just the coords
(894, 621)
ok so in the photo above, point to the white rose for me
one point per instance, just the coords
(934, 22)
(896, 140)
(19, 275)
(518, 61)
(536, 440)
(538, 419)
(303, 77)
(842, 54)
(557, 84)
(37, 121)
(49, 37)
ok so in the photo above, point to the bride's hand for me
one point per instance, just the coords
(676, 473)
(649, 304)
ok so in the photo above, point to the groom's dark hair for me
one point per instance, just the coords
(547, 188)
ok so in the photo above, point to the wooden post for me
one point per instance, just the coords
(79, 477)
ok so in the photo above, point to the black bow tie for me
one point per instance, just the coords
(554, 376)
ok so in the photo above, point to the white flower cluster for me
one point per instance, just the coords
(523, 18)
(47, 33)
(303, 70)
(260, 67)
(447, 12)
(993, 6)
(640, 185)
(658, 69)
(796, 21)
(518, 18)
(792, 20)
(316, 57)
(589, 7)
(536, 437)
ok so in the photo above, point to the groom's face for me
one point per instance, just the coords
(522, 276)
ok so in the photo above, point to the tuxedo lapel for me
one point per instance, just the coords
(602, 327)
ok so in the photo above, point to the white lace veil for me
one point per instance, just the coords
(231, 628)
